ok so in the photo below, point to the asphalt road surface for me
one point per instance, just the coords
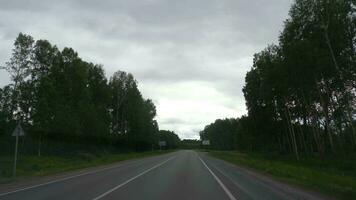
(179, 175)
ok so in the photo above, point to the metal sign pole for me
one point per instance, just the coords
(15, 160)
(17, 133)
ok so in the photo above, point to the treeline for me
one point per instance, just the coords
(190, 144)
(222, 134)
(301, 93)
(172, 140)
(58, 96)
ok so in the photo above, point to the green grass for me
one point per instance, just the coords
(333, 176)
(32, 166)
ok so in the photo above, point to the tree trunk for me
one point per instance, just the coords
(292, 133)
(303, 140)
(288, 138)
(353, 134)
(325, 105)
(39, 145)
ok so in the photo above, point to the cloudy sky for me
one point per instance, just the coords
(189, 56)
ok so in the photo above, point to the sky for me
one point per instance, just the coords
(189, 56)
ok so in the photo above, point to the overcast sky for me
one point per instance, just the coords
(189, 56)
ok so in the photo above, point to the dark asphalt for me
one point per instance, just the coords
(179, 175)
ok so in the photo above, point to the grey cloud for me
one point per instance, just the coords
(179, 121)
(172, 121)
(206, 43)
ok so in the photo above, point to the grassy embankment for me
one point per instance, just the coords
(31, 166)
(335, 176)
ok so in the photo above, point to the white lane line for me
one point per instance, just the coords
(219, 181)
(131, 179)
(62, 179)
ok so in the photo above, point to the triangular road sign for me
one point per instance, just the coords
(18, 131)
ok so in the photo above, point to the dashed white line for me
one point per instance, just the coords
(227, 191)
(131, 179)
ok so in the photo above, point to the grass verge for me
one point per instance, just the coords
(32, 166)
(334, 177)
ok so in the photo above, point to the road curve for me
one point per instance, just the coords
(179, 175)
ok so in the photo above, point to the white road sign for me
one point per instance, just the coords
(206, 142)
(162, 143)
(18, 131)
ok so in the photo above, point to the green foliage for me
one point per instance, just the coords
(221, 134)
(300, 94)
(190, 144)
(301, 102)
(29, 166)
(59, 96)
(172, 140)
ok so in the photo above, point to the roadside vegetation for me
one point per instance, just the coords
(332, 176)
(72, 114)
(34, 166)
(300, 94)
(301, 101)
(190, 144)
(56, 95)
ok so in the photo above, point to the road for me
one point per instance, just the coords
(180, 175)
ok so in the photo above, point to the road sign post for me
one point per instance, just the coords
(15, 160)
(17, 133)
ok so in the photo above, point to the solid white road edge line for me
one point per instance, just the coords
(131, 179)
(219, 181)
(62, 179)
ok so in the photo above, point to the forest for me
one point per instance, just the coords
(64, 102)
(300, 93)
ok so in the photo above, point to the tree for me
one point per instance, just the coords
(131, 115)
(19, 68)
(63, 98)
(300, 94)
(222, 134)
(172, 140)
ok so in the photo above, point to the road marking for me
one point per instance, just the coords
(219, 181)
(131, 179)
(62, 179)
